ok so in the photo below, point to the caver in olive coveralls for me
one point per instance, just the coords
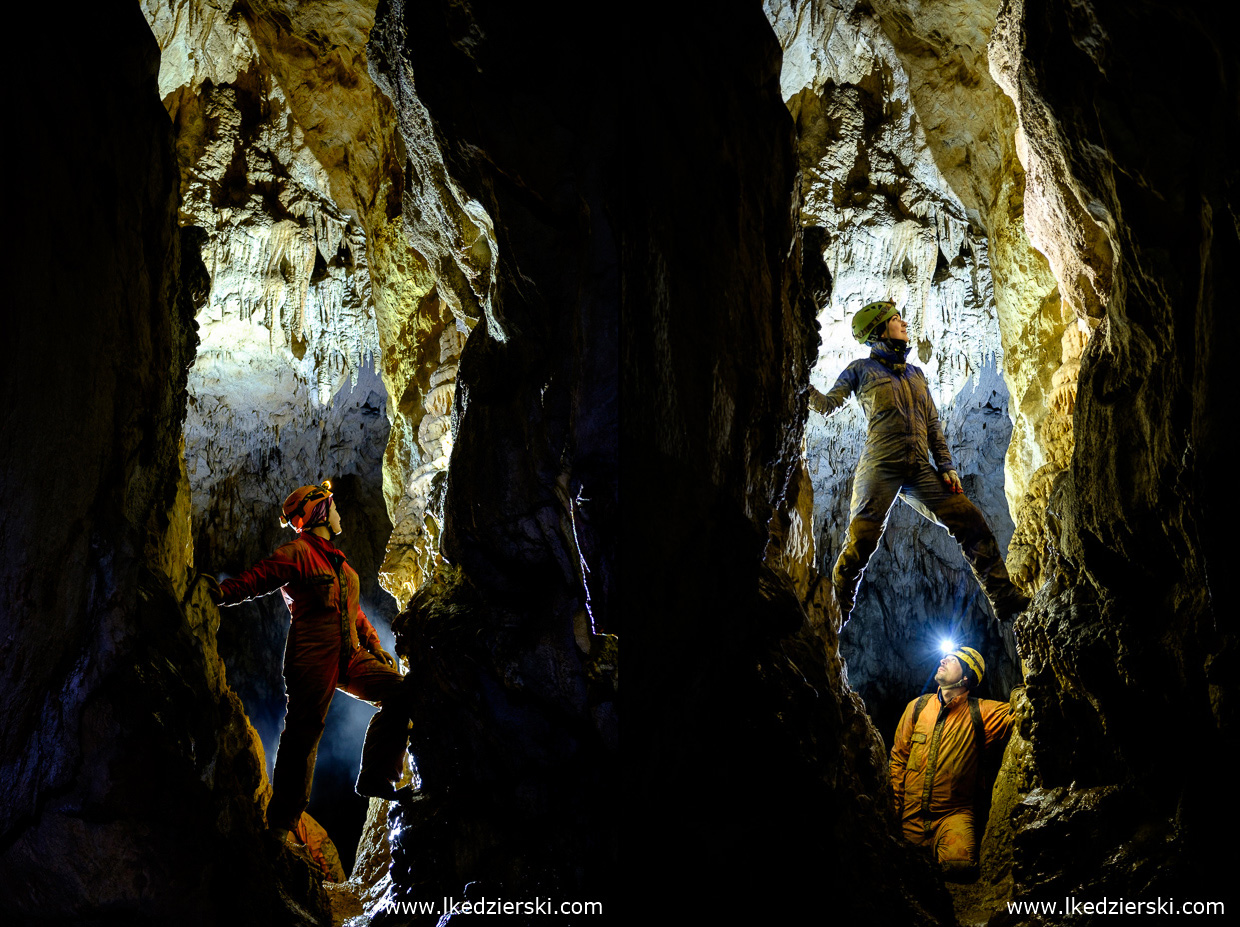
(330, 645)
(903, 431)
(935, 762)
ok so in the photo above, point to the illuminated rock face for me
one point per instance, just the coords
(515, 725)
(970, 129)
(285, 388)
(1129, 640)
(293, 166)
(430, 249)
(289, 322)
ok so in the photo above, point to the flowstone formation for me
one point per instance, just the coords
(886, 223)
(430, 248)
(970, 128)
(289, 326)
(296, 172)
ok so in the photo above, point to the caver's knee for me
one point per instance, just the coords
(863, 537)
(954, 843)
(305, 718)
(963, 519)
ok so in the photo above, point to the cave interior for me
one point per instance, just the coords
(544, 297)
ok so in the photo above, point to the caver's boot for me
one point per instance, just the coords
(383, 752)
(373, 785)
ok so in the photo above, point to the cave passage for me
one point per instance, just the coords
(883, 218)
(544, 300)
(290, 441)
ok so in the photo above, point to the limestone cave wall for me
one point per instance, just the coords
(755, 764)
(1128, 640)
(887, 223)
(1084, 136)
(285, 387)
(132, 781)
(515, 728)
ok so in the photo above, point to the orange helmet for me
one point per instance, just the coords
(303, 504)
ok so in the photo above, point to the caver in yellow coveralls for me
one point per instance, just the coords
(934, 770)
(903, 431)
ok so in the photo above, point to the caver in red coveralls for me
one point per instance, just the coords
(330, 645)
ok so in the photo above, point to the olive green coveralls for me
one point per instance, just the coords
(903, 432)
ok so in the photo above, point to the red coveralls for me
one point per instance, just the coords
(329, 647)
(934, 767)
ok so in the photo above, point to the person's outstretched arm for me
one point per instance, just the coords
(845, 386)
(263, 578)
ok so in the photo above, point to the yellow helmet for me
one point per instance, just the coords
(971, 660)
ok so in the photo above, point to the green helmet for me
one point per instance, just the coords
(870, 320)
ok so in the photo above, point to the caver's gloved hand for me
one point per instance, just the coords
(952, 479)
(817, 401)
(384, 657)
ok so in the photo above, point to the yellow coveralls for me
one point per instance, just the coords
(320, 847)
(934, 768)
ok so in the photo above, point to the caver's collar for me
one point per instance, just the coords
(327, 546)
(891, 353)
